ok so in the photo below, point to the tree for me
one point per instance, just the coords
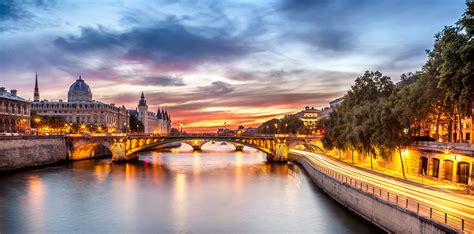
(353, 125)
(52, 121)
(136, 125)
(174, 132)
(269, 127)
(291, 124)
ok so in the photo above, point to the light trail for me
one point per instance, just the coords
(446, 202)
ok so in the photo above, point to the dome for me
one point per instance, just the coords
(79, 91)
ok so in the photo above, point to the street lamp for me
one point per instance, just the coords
(181, 131)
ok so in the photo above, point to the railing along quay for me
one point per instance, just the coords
(402, 201)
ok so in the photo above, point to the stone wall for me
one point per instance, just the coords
(381, 213)
(28, 151)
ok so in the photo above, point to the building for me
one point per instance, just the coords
(225, 132)
(309, 116)
(159, 122)
(336, 102)
(81, 109)
(14, 112)
(442, 136)
(326, 111)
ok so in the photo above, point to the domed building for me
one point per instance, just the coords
(81, 109)
(79, 91)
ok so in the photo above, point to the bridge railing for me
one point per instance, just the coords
(224, 135)
(400, 200)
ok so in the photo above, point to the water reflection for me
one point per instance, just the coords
(179, 191)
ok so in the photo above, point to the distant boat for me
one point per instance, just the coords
(223, 143)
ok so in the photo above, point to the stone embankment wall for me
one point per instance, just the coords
(379, 212)
(28, 151)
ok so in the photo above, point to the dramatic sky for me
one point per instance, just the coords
(210, 62)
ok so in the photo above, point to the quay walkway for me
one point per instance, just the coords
(451, 210)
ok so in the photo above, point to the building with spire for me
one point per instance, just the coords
(81, 109)
(153, 122)
(36, 97)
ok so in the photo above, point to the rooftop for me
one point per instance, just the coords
(8, 95)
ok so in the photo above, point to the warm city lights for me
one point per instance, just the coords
(277, 116)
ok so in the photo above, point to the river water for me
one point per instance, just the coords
(215, 191)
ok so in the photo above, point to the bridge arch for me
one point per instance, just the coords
(90, 150)
(202, 141)
(314, 146)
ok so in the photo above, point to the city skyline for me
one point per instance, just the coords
(212, 63)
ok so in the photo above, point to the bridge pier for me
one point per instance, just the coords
(119, 153)
(196, 144)
(238, 147)
(280, 153)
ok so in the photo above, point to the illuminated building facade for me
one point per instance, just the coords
(80, 108)
(309, 116)
(14, 112)
(159, 122)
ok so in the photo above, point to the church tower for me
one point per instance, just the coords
(36, 97)
(143, 112)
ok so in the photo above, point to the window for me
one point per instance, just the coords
(448, 170)
(435, 169)
(424, 166)
(463, 172)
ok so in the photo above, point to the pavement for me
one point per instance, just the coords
(425, 181)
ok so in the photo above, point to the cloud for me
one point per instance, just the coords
(165, 45)
(331, 39)
(162, 81)
(216, 88)
(271, 75)
(19, 15)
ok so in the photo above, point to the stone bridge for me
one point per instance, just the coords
(127, 146)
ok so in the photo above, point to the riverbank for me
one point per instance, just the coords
(32, 152)
(21, 152)
(363, 201)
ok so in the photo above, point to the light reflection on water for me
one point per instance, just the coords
(179, 191)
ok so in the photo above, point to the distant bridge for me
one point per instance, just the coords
(127, 146)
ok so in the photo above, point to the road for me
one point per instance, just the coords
(456, 206)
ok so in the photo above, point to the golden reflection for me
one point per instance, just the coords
(101, 172)
(179, 202)
(239, 177)
(36, 197)
(130, 173)
(175, 150)
(196, 164)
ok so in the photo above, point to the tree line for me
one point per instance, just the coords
(378, 118)
(289, 124)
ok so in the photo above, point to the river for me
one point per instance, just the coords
(215, 191)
